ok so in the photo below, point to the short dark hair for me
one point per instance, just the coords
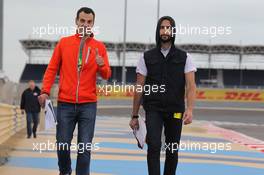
(85, 10)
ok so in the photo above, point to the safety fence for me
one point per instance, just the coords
(11, 121)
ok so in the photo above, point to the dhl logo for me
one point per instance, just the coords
(252, 96)
(225, 95)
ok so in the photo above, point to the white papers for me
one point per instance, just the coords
(140, 133)
(50, 117)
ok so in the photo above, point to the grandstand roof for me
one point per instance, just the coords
(33, 44)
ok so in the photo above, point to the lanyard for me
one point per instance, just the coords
(81, 53)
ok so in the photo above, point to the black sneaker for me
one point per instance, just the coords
(28, 137)
(35, 135)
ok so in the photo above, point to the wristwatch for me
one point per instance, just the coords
(135, 116)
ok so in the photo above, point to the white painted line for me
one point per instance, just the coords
(215, 122)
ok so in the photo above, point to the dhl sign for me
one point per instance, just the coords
(230, 95)
(202, 94)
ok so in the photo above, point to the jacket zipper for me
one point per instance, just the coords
(78, 84)
(79, 72)
(87, 55)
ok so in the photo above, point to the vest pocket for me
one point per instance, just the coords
(153, 66)
(176, 67)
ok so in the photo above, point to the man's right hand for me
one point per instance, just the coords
(134, 123)
(42, 98)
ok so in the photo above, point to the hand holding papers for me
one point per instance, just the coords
(140, 133)
(50, 117)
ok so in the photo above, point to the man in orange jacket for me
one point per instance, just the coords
(78, 58)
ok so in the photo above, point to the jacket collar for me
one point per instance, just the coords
(79, 37)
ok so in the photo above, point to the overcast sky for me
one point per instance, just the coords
(244, 17)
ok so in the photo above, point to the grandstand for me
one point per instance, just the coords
(218, 65)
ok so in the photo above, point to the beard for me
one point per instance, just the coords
(165, 38)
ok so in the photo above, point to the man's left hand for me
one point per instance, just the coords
(99, 59)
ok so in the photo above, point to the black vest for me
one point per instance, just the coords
(167, 72)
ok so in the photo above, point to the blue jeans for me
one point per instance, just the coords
(32, 116)
(68, 115)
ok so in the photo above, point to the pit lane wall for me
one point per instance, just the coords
(202, 94)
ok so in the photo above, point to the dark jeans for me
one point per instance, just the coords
(172, 128)
(32, 116)
(68, 115)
